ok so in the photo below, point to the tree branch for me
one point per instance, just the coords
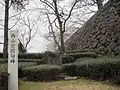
(18, 19)
(48, 4)
(53, 33)
(69, 15)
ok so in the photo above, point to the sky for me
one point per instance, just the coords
(38, 43)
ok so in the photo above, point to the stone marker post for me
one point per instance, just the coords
(13, 60)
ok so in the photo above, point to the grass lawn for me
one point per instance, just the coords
(80, 84)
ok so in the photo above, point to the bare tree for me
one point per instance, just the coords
(25, 36)
(60, 18)
(18, 5)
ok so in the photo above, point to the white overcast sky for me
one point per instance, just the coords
(38, 43)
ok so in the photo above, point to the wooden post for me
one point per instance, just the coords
(13, 60)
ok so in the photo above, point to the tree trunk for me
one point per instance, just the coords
(6, 21)
(62, 42)
(99, 4)
(60, 25)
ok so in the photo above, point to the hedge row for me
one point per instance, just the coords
(99, 69)
(39, 61)
(27, 55)
(71, 57)
(42, 72)
(83, 54)
(33, 71)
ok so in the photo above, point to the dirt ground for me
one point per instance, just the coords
(81, 84)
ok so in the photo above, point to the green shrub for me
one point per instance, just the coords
(42, 72)
(99, 69)
(3, 61)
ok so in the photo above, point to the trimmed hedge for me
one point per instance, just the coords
(30, 56)
(81, 55)
(23, 65)
(98, 69)
(20, 66)
(71, 57)
(27, 55)
(42, 72)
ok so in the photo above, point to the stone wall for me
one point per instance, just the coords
(101, 32)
